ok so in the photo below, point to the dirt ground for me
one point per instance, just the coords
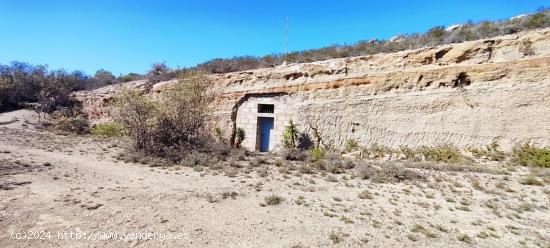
(70, 191)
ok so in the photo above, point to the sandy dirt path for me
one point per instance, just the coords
(72, 193)
(85, 193)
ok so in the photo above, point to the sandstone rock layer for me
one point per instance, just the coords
(466, 94)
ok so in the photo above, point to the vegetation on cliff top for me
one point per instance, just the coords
(435, 36)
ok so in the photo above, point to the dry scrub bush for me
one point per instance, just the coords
(336, 164)
(388, 173)
(48, 90)
(70, 120)
(294, 154)
(376, 151)
(316, 154)
(196, 158)
(136, 113)
(71, 124)
(273, 200)
(491, 152)
(174, 124)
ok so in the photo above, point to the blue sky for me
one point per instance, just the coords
(128, 36)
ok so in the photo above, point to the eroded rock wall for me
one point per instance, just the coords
(466, 94)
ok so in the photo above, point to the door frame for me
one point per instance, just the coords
(270, 143)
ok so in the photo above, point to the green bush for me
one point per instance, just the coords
(290, 135)
(111, 130)
(316, 154)
(537, 20)
(445, 153)
(240, 136)
(528, 155)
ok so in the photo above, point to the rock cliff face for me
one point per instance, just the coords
(466, 94)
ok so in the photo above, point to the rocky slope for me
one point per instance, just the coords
(467, 94)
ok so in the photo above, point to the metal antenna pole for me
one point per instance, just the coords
(286, 38)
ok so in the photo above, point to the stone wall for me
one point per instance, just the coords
(247, 118)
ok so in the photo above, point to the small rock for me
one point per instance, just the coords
(94, 206)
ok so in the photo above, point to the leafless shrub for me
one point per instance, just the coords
(72, 124)
(159, 72)
(136, 113)
(334, 163)
(70, 120)
(171, 126)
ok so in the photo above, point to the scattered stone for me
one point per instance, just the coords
(94, 206)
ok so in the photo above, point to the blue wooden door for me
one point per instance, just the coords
(266, 127)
